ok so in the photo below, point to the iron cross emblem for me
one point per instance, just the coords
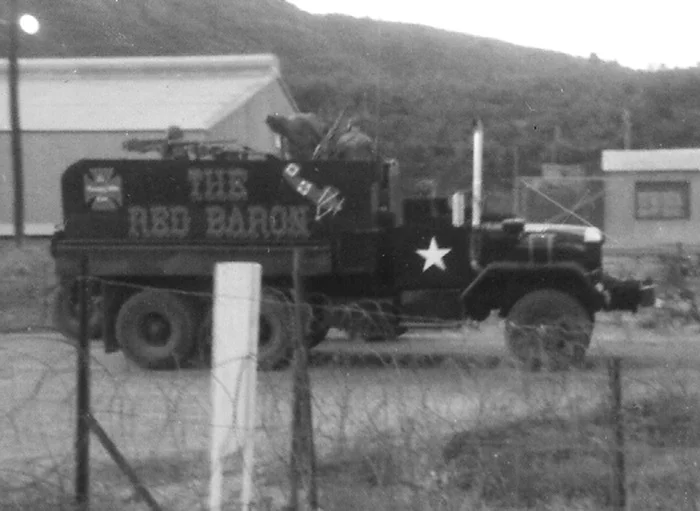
(103, 189)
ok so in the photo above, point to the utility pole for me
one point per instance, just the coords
(627, 127)
(556, 142)
(17, 172)
(516, 179)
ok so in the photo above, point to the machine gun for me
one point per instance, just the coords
(193, 150)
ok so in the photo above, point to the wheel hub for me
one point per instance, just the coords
(155, 329)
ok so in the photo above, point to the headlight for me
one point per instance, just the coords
(593, 235)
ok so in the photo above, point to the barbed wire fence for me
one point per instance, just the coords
(450, 430)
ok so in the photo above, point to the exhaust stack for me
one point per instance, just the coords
(477, 173)
(476, 195)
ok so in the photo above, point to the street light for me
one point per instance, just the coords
(30, 25)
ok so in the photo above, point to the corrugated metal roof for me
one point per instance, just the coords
(651, 160)
(134, 94)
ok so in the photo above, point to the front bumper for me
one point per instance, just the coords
(627, 294)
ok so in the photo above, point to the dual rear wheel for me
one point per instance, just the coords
(161, 329)
(275, 334)
(156, 329)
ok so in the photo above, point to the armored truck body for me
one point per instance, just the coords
(149, 233)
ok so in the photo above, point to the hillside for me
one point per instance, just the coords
(421, 87)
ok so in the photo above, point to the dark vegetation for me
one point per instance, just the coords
(420, 88)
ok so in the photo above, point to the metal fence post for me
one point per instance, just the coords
(619, 491)
(82, 440)
(304, 493)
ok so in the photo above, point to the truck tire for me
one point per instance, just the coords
(549, 327)
(66, 310)
(276, 332)
(320, 321)
(275, 339)
(156, 329)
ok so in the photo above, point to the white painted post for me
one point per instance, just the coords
(236, 314)
(477, 174)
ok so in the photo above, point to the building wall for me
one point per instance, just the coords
(47, 154)
(246, 125)
(625, 231)
(45, 157)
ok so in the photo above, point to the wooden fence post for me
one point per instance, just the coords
(304, 494)
(619, 490)
(82, 434)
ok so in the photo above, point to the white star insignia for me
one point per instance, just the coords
(433, 255)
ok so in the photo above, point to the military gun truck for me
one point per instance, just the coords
(151, 231)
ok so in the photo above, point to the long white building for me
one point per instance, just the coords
(87, 107)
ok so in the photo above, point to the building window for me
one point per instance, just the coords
(662, 200)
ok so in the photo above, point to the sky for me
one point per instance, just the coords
(638, 34)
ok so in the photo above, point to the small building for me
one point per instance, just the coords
(87, 107)
(652, 198)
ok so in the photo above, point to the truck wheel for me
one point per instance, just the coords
(549, 327)
(156, 329)
(320, 321)
(275, 335)
(66, 310)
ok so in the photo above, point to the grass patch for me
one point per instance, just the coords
(529, 462)
(533, 463)
(177, 482)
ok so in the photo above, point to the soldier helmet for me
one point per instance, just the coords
(174, 133)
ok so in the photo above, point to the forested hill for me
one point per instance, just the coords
(419, 87)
